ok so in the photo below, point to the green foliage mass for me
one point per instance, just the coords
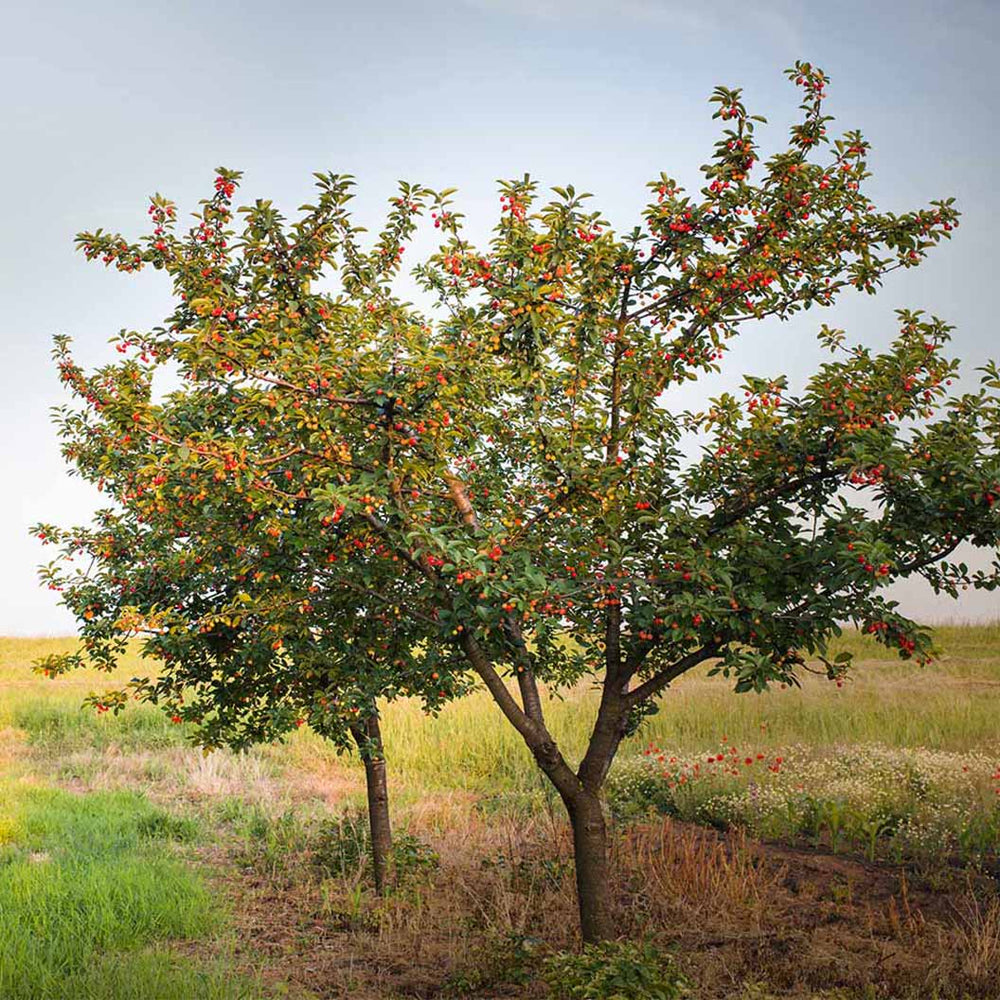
(615, 970)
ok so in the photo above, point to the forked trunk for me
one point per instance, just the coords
(368, 735)
(590, 850)
(579, 792)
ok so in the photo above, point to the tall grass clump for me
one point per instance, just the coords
(93, 879)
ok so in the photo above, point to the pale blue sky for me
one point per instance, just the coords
(105, 103)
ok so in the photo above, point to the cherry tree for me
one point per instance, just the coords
(500, 482)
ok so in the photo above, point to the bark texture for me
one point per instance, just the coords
(593, 884)
(368, 735)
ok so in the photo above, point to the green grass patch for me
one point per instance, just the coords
(156, 975)
(61, 726)
(87, 885)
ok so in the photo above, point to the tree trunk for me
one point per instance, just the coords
(368, 735)
(579, 792)
(590, 850)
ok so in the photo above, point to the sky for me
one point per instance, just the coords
(106, 103)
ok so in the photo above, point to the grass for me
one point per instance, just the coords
(155, 975)
(95, 879)
(65, 727)
(49, 711)
(951, 705)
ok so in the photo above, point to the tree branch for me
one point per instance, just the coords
(661, 679)
(535, 735)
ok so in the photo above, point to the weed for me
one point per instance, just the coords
(502, 960)
(341, 848)
(615, 970)
(159, 824)
(523, 873)
(271, 846)
(412, 858)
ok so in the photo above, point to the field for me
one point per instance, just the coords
(824, 842)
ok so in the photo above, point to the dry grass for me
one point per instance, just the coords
(977, 938)
(736, 912)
